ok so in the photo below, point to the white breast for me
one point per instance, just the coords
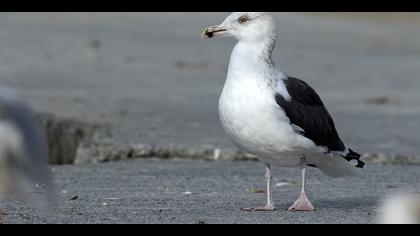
(10, 139)
(10, 143)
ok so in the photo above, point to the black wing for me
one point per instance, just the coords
(307, 111)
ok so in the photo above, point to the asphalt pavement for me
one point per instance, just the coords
(211, 192)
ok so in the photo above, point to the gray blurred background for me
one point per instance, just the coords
(146, 84)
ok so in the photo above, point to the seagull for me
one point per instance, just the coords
(403, 208)
(23, 159)
(275, 117)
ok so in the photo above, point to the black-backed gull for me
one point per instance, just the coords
(278, 118)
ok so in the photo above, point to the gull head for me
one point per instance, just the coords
(253, 27)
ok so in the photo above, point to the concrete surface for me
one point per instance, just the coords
(185, 191)
(151, 80)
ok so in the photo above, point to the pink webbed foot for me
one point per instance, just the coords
(302, 204)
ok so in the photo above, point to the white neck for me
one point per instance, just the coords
(250, 58)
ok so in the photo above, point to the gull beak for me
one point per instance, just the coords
(213, 31)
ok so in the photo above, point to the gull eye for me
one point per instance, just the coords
(243, 19)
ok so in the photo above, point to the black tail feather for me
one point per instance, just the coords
(354, 156)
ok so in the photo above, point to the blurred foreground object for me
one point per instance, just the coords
(401, 209)
(23, 156)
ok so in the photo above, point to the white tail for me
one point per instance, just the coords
(334, 166)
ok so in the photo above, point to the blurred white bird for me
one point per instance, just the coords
(401, 209)
(23, 158)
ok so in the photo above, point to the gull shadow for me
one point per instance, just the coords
(347, 203)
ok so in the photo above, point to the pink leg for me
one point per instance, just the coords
(302, 203)
(270, 204)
